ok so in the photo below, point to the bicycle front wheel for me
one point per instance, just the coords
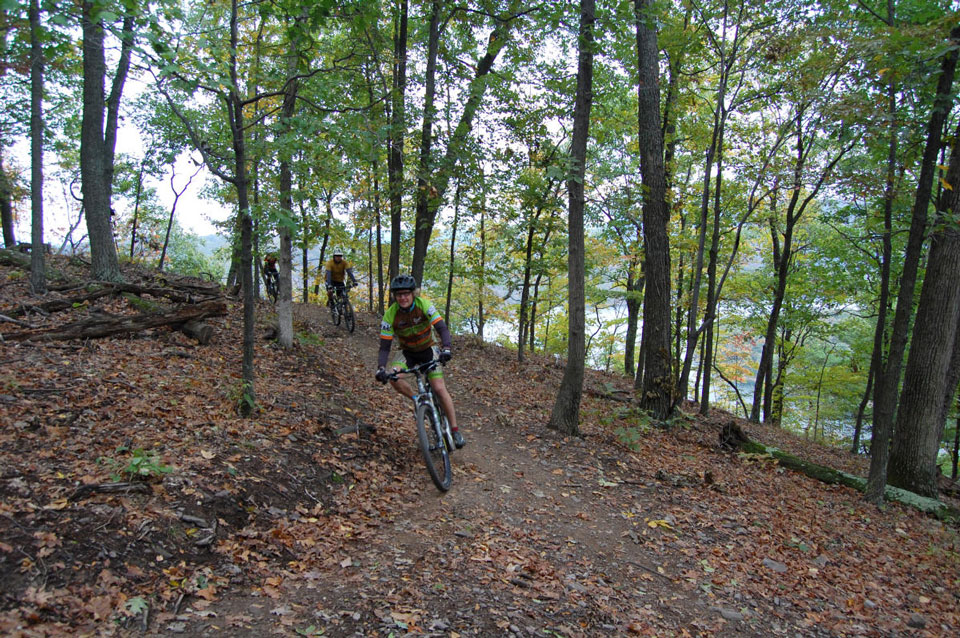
(335, 312)
(348, 319)
(433, 447)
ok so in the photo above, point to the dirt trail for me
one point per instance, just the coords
(540, 535)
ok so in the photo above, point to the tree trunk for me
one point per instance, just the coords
(425, 170)
(423, 225)
(713, 288)
(482, 284)
(888, 374)
(288, 111)
(634, 290)
(98, 138)
(38, 282)
(396, 140)
(565, 417)
(658, 382)
(235, 111)
(453, 250)
(6, 195)
(916, 438)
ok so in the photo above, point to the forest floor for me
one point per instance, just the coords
(316, 516)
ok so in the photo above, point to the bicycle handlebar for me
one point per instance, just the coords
(421, 368)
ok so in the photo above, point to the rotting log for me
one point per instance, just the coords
(22, 260)
(195, 329)
(98, 290)
(733, 437)
(110, 325)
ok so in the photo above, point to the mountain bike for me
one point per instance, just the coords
(342, 309)
(272, 282)
(433, 429)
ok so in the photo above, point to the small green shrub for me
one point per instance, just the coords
(142, 464)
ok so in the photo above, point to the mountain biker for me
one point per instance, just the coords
(411, 319)
(337, 269)
(270, 269)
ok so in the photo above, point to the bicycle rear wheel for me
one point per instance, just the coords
(348, 319)
(434, 448)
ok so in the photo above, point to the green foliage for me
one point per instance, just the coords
(140, 464)
(243, 398)
(309, 338)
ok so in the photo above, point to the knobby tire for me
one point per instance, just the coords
(335, 312)
(436, 456)
(272, 289)
(348, 315)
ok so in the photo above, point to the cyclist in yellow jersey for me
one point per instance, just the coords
(337, 270)
(412, 320)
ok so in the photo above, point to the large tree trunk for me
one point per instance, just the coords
(565, 417)
(919, 423)
(395, 141)
(888, 374)
(98, 138)
(284, 302)
(38, 282)
(658, 386)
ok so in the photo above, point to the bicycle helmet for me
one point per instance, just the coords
(338, 253)
(403, 282)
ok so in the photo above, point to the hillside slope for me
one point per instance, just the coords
(280, 525)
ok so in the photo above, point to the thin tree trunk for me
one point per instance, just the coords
(426, 215)
(396, 141)
(565, 417)
(6, 196)
(453, 250)
(38, 281)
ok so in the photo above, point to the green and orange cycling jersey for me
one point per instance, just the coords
(413, 329)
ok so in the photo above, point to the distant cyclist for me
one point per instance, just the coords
(337, 270)
(270, 270)
(411, 319)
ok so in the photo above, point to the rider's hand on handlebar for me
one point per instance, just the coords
(382, 375)
(445, 355)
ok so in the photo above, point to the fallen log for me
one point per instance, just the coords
(733, 437)
(109, 325)
(202, 332)
(22, 260)
(195, 329)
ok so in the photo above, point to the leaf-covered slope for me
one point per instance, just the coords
(280, 524)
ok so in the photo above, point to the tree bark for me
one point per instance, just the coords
(565, 417)
(109, 326)
(98, 138)
(396, 140)
(658, 384)
(6, 194)
(38, 282)
(888, 374)
(918, 428)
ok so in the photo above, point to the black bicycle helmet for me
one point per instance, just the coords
(403, 282)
